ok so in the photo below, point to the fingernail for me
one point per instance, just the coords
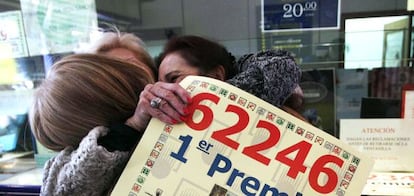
(186, 112)
(183, 118)
(173, 121)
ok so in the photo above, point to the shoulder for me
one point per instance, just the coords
(72, 169)
(270, 75)
(89, 150)
(264, 58)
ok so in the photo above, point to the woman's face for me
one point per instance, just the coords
(174, 68)
(126, 55)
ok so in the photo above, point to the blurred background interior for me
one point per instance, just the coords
(354, 54)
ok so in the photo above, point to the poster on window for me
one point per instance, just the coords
(12, 36)
(58, 26)
(300, 15)
(389, 141)
(236, 144)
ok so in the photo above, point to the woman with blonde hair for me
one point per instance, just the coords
(125, 46)
(130, 48)
(86, 108)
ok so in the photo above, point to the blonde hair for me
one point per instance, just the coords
(112, 40)
(83, 91)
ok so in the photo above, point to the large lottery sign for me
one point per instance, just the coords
(237, 144)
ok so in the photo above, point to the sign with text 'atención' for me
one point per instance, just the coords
(389, 141)
(236, 144)
(300, 15)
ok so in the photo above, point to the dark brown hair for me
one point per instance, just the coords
(201, 53)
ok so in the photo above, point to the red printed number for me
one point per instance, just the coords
(207, 112)
(272, 140)
(296, 165)
(295, 162)
(318, 168)
(221, 135)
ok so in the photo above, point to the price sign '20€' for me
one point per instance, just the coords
(237, 144)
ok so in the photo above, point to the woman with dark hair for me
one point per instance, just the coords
(208, 58)
(271, 75)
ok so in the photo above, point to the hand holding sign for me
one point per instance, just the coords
(291, 157)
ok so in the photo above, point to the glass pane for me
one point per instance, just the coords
(376, 42)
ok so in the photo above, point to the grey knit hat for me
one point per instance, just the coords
(271, 75)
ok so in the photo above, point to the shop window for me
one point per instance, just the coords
(376, 42)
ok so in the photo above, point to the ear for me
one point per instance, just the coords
(218, 73)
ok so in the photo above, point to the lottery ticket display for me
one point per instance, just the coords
(236, 144)
(390, 183)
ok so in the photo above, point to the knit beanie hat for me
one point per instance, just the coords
(271, 75)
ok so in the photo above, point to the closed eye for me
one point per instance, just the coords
(172, 77)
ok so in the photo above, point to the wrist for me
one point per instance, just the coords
(136, 124)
